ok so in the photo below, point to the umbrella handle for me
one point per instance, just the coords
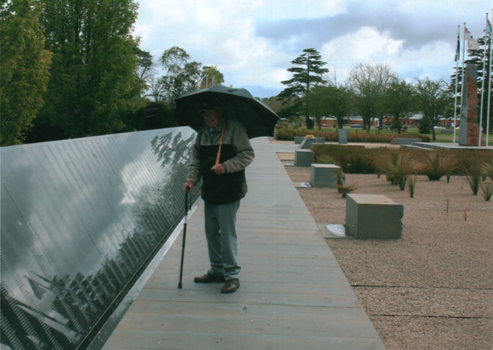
(220, 144)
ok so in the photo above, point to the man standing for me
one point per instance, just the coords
(220, 155)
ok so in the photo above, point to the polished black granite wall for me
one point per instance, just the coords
(80, 219)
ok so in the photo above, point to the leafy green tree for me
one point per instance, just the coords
(370, 82)
(272, 102)
(400, 101)
(145, 64)
(424, 126)
(180, 75)
(154, 115)
(24, 65)
(156, 90)
(434, 99)
(315, 102)
(93, 78)
(211, 76)
(145, 67)
(308, 72)
(339, 103)
(331, 100)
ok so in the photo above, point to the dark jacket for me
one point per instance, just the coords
(236, 154)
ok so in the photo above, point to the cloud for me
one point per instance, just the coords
(369, 45)
(253, 42)
(214, 35)
(415, 23)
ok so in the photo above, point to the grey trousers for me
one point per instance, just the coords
(220, 230)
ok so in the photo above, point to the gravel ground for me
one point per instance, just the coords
(431, 289)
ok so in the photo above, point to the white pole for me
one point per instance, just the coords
(456, 83)
(489, 96)
(462, 82)
(485, 48)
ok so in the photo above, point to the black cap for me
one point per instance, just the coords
(208, 105)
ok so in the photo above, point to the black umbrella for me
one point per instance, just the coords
(257, 118)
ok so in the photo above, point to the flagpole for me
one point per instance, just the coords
(483, 83)
(462, 79)
(456, 81)
(489, 96)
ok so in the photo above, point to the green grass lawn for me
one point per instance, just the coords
(448, 138)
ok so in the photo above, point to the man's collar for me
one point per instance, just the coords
(220, 125)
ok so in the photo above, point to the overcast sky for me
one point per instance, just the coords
(253, 42)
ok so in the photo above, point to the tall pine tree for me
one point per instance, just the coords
(308, 72)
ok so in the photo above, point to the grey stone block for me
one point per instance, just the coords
(298, 140)
(303, 157)
(309, 141)
(405, 141)
(343, 139)
(373, 217)
(324, 175)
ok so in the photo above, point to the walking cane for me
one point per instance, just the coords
(184, 236)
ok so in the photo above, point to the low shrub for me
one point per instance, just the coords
(398, 165)
(286, 133)
(352, 160)
(438, 164)
(472, 170)
(434, 164)
(465, 158)
(487, 169)
(411, 184)
(326, 160)
(487, 190)
(346, 188)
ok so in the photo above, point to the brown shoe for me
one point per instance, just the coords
(208, 278)
(231, 286)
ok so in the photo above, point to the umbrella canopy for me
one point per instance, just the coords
(256, 116)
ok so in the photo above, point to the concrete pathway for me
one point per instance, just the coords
(293, 294)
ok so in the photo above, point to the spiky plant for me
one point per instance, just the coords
(327, 160)
(436, 165)
(464, 210)
(341, 179)
(411, 181)
(398, 165)
(487, 170)
(447, 201)
(473, 181)
(487, 190)
(346, 188)
(472, 170)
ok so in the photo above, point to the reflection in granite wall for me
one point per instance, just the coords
(80, 219)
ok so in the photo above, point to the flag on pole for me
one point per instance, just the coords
(457, 52)
(472, 44)
(488, 26)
